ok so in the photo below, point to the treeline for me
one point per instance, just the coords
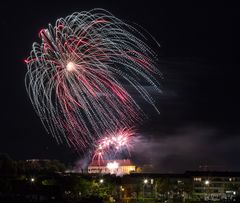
(10, 167)
(45, 181)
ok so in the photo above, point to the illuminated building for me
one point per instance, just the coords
(215, 186)
(121, 167)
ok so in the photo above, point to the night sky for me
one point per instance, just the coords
(198, 57)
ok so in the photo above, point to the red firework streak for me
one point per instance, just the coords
(114, 143)
(79, 76)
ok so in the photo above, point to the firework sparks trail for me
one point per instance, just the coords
(114, 143)
(77, 76)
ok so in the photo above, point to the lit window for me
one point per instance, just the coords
(197, 179)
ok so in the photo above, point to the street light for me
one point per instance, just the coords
(101, 181)
(32, 180)
(207, 183)
(145, 182)
(122, 189)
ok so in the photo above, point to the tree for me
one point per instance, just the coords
(7, 165)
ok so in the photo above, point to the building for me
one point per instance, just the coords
(119, 167)
(195, 186)
(215, 186)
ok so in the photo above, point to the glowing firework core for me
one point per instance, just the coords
(112, 166)
(70, 66)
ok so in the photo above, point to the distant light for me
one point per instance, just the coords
(145, 181)
(152, 181)
(234, 192)
(197, 179)
(70, 66)
(122, 188)
(207, 182)
(32, 180)
(101, 181)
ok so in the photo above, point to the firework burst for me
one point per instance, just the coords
(78, 76)
(112, 144)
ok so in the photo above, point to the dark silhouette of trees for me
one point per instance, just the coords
(7, 165)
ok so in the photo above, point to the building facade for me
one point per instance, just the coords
(120, 167)
(215, 186)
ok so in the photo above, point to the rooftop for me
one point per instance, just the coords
(103, 163)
